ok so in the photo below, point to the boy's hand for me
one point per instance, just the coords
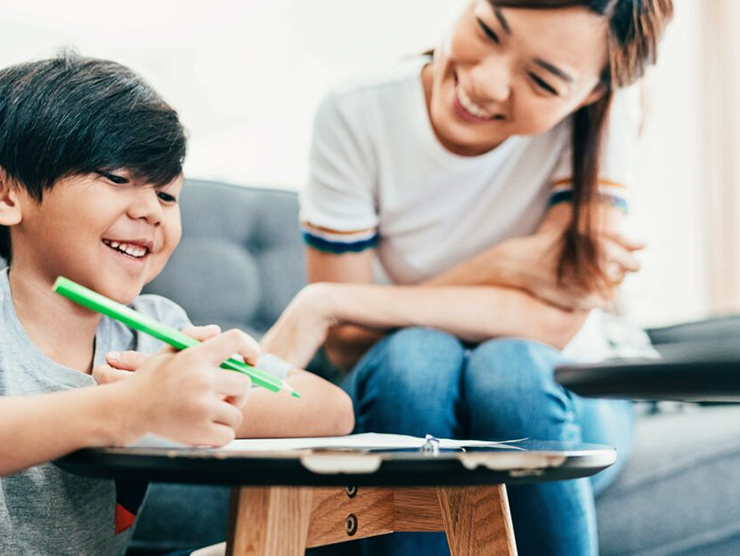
(186, 396)
(120, 365)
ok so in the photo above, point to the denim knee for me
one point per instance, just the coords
(409, 383)
(508, 389)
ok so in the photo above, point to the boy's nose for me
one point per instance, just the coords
(146, 206)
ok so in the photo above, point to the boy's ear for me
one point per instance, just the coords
(10, 208)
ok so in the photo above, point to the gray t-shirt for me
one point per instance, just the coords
(44, 510)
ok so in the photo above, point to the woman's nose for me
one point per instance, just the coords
(492, 80)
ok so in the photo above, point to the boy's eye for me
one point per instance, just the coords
(166, 197)
(488, 31)
(118, 180)
(543, 84)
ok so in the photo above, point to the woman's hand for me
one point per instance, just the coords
(530, 263)
(303, 327)
(121, 365)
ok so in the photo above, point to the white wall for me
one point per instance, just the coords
(246, 77)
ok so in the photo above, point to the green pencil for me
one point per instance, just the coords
(133, 319)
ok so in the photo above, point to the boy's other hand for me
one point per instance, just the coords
(186, 396)
(120, 365)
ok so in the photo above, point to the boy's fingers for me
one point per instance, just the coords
(202, 333)
(238, 401)
(219, 434)
(105, 374)
(127, 360)
(222, 347)
(232, 384)
(227, 414)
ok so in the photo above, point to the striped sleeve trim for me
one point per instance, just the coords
(609, 193)
(332, 241)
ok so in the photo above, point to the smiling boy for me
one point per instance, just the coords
(90, 175)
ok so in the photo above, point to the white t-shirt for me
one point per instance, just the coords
(380, 178)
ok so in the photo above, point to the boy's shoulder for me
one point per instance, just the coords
(161, 309)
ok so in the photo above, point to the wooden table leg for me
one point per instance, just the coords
(284, 521)
(477, 520)
(271, 521)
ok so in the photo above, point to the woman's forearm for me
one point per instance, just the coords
(471, 313)
(40, 428)
(323, 410)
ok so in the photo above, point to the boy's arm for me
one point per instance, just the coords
(183, 396)
(37, 429)
(323, 410)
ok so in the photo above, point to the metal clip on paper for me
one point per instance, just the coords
(431, 446)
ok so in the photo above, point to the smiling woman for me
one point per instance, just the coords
(483, 186)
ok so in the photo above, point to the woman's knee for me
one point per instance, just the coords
(413, 355)
(511, 364)
(409, 384)
(509, 382)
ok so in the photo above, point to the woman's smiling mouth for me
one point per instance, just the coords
(469, 110)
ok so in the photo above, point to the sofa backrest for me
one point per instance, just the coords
(241, 258)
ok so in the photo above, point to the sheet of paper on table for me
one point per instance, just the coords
(366, 441)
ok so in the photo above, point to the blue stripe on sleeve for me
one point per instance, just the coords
(566, 196)
(338, 246)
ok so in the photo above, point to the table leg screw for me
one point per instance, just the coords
(350, 525)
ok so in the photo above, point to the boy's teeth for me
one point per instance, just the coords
(129, 249)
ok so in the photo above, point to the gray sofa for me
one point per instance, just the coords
(241, 261)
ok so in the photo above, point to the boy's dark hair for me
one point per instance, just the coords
(72, 115)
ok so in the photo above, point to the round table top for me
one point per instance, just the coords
(708, 372)
(526, 461)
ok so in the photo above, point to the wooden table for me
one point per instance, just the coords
(285, 502)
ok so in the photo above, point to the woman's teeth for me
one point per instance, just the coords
(470, 106)
(131, 249)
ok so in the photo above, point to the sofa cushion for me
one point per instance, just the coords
(679, 490)
(241, 259)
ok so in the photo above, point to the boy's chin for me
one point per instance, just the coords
(120, 290)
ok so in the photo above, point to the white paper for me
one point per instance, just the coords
(366, 441)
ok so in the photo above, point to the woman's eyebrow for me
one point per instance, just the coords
(554, 70)
(501, 19)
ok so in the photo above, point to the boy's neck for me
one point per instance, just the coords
(64, 331)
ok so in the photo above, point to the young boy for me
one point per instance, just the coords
(90, 173)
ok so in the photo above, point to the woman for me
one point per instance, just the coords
(487, 182)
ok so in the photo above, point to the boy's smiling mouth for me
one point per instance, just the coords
(137, 249)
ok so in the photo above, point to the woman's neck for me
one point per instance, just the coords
(65, 332)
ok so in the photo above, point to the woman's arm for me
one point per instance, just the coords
(526, 264)
(473, 313)
(322, 410)
(530, 263)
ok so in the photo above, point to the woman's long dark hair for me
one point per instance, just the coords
(635, 28)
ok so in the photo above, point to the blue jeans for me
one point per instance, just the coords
(418, 381)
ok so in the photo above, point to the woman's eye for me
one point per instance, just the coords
(488, 31)
(166, 197)
(543, 84)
